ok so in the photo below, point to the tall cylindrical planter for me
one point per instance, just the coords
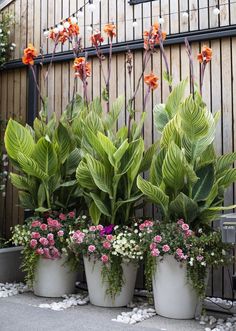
(54, 278)
(97, 288)
(174, 296)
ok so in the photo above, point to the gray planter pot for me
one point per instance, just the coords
(10, 260)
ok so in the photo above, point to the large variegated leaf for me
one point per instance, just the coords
(120, 152)
(100, 204)
(224, 162)
(73, 160)
(45, 156)
(136, 130)
(94, 213)
(108, 147)
(228, 178)
(112, 117)
(26, 200)
(63, 143)
(184, 207)
(173, 169)
(101, 176)
(174, 100)
(31, 167)
(124, 202)
(148, 157)
(137, 159)
(84, 176)
(161, 116)
(156, 168)
(20, 182)
(170, 133)
(203, 186)
(95, 106)
(18, 139)
(93, 122)
(154, 194)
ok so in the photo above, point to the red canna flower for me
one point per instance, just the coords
(82, 68)
(110, 30)
(152, 37)
(97, 38)
(151, 80)
(206, 55)
(30, 53)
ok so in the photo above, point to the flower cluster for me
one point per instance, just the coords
(151, 80)
(66, 30)
(153, 37)
(47, 236)
(30, 53)
(82, 68)
(206, 55)
(6, 47)
(110, 30)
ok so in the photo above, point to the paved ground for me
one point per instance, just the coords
(18, 313)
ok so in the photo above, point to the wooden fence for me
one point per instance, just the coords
(202, 26)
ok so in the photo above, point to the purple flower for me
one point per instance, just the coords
(107, 230)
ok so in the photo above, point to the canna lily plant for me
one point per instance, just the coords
(187, 178)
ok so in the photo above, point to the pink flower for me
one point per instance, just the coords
(106, 245)
(50, 236)
(43, 227)
(39, 251)
(71, 214)
(43, 241)
(92, 228)
(55, 253)
(199, 258)
(33, 243)
(99, 227)
(179, 252)
(188, 233)
(142, 227)
(180, 222)
(35, 224)
(53, 223)
(155, 252)
(153, 246)
(157, 239)
(35, 235)
(78, 237)
(51, 242)
(104, 258)
(166, 248)
(91, 248)
(46, 253)
(60, 233)
(185, 227)
(145, 224)
(109, 237)
(62, 217)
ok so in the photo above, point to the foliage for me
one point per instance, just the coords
(6, 47)
(46, 236)
(3, 163)
(187, 179)
(197, 250)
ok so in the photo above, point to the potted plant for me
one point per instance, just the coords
(187, 179)
(111, 255)
(49, 264)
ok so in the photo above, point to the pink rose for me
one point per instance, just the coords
(60, 233)
(166, 248)
(43, 241)
(106, 245)
(50, 236)
(188, 233)
(51, 242)
(35, 224)
(104, 258)
(153, 246)
(54, 224)
(109, 237)
(78, 237)
(179, 251)
(91, 248)
(180, 222)
(92, 228)
(142, 227)
(99, 227)
(155, 252)
(39, 251)
(71, 214)
(46, 253)
(35, 235)
(157, 239)
(33, 243)
(43, 227)
(185, 227)
(62, 217)
(199, 258)
(55, 253)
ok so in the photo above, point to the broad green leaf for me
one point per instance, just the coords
(18, 140)
(161, 116)
(19, 182)
(95, 213)
(170, 133)
(42, 210)
(222, 208)
(93, 122)
(84, 176)
(69, 183)
(134, 170)
(41, 195)
(132, 199)
(112, 117)
(108, 147)
(96, 107)
(120, 152)
(45, 156)
(174, 100)
(137, 130)
(99, 203)
(26, 200)
(156, 167)
(73, 160)
(184, 207)
(224, 162)
(30, 166)
(39, 128)
(63, 143)
(203, 186)
(153, 193)
(147, 158)
(228, 178)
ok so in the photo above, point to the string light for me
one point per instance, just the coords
(161, 20)
(90, 28)
(74, 20)
(80, 13)
(216, 11)
(135, 23)
(91, 6)
(185, 15)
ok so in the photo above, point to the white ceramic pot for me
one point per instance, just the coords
(54, 278)
(174, 296)
(97, 288)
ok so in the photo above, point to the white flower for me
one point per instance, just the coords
(212, 254)
(203, 263)
(13, 44)
(8, 32)
(11, 48)
(0, 30)
(223, 252)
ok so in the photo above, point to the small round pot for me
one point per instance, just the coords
(174, 296)
(53, 278)
(97, 288)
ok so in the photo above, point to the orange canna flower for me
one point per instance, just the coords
(30, 53)
(97, 38)
(110, 30)
(82, 68)
(151, 80)
(206, 55)
(73, 29)
(152, 37)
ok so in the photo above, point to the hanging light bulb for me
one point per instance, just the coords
(66, 25)
(46, 33)
(90, 28)
(91, 6)
(56, 30)
(161, 20)
(60, 27)
(73, 20)
(80, 13)
(135, 23)
(216, 11)
(185, 14)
